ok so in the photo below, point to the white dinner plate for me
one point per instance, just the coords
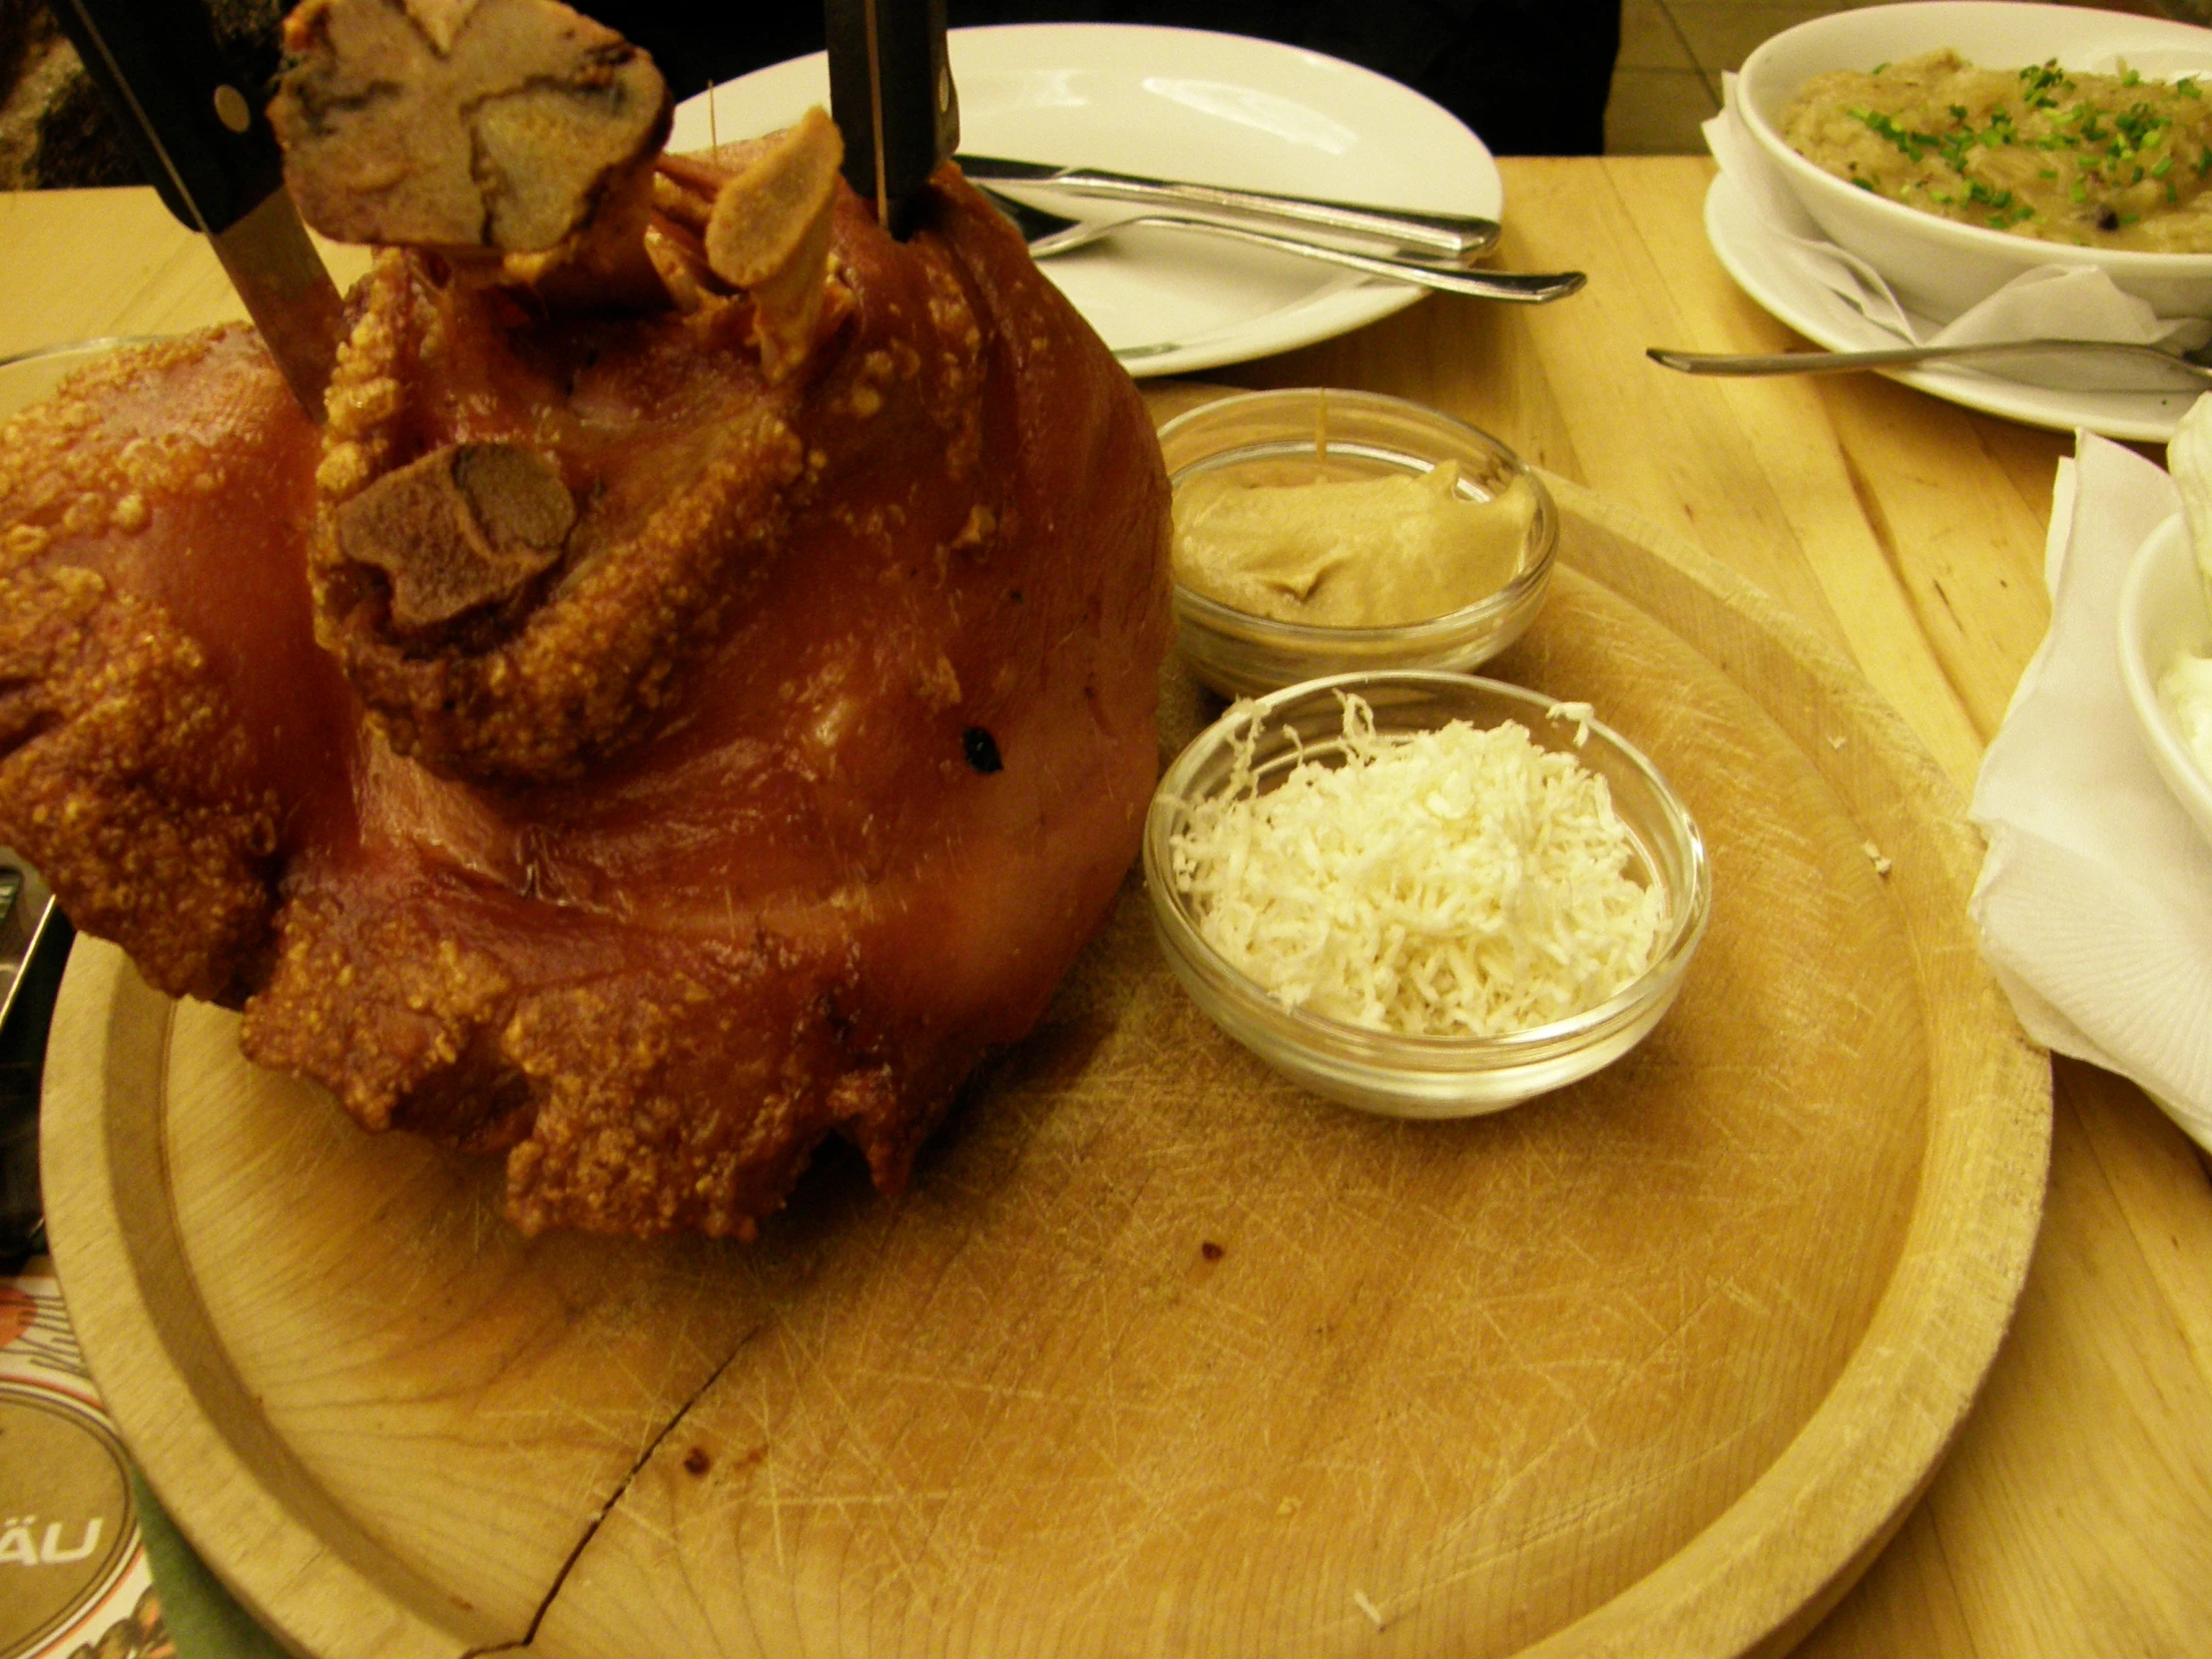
(1787, 293)
(1180, 104)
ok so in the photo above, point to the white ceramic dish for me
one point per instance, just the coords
(2162, 613)
(33, 376)
(1762, 267)
(1184, 103)
(1936, 266)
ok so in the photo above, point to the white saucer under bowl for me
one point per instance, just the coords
(1762, 268)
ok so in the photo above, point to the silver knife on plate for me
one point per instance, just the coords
(1445, 239)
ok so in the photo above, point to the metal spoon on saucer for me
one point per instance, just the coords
(2196, 365)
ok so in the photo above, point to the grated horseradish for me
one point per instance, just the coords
(1450, 882)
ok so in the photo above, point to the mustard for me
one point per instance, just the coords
(1348, 553)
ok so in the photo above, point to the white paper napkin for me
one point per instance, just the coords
(2046, 302)
(2095, 899)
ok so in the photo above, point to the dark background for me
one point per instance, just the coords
(1528, 75)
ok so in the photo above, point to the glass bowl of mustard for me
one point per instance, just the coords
(1320, 531)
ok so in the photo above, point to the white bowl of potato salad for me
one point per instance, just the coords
(1955, 146)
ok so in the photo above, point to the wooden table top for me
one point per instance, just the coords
(2074, 1513)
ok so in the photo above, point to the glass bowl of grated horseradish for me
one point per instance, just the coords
(1425, 894)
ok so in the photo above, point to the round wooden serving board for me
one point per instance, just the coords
(1158, 1355)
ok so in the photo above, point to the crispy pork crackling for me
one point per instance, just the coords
(693, 697)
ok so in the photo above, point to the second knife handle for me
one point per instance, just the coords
(892, 95)
(195, 119)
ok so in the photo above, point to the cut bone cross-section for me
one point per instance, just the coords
(500, 125)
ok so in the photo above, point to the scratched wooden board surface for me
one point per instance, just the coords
(1157, 1355)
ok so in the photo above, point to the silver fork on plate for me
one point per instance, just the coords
(1049, 234)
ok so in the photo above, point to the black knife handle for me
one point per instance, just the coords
(21, 1063)
(34, 947)
(892, 97)
(195, 119)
